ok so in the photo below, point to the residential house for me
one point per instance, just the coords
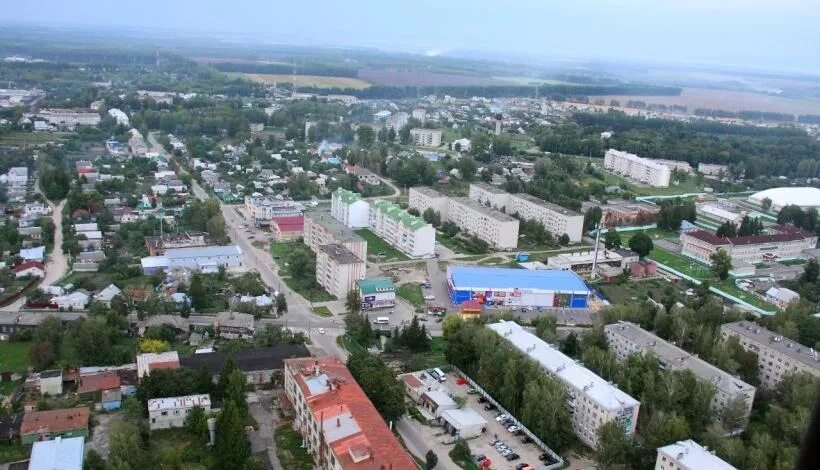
(148, 362)
(29, 268)
(106, 295)
(234, 325)
(47, 425)
(165, 413)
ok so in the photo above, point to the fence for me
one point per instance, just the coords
(559, 462)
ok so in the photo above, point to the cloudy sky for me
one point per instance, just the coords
(767, 34)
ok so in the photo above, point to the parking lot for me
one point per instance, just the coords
(528, 453)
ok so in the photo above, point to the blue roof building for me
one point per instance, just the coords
(517, 287)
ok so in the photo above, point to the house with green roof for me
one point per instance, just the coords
(408, 233)
(379, 292)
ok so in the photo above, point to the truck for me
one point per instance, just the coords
(381, 320)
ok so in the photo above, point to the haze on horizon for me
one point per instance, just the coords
(760, 34)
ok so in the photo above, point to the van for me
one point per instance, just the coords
(382, 321)
(442, 376)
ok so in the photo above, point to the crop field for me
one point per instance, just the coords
(694, 98)
(306, 80)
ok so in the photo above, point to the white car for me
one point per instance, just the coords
(321, 331)
(429, 297)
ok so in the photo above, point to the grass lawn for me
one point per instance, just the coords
(176, 445)
(377, 246)
(14, 356)
(494, 260)
(14, 453)
(349, 344)
(288, 449)
(279, 250)
(631, 291)
(323, 311)
(411, 292)
(463, 461)
(316, 294)
(731, 288)
(29, 138)
(457, 245)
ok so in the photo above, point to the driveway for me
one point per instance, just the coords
(100, 436)
(259, 406)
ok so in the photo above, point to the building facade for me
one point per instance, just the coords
(593, 400)
(787, 242)
(777, 356)
(640, 169)
(496, 228)
(262, 209)
(165, 413)
(70, 118)
(626, 338)
(350, 209)
(338, 269)
(423, 198)
(377, 292)
(340, 426)
(426, 137)
(320, 228)
(407, 233)
(689, 455)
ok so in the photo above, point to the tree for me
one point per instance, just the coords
(563, 239)
(592, 217)
(126, 451)
(93, 461)
(721, 264)
(197, 424)
(466, 167)
(379, 384)
(41, 355)
(571, 346)
(612, 239)
(452, 323)
(727, 229)
(281, 303)
(432, 217)
(366, 135)
(231, 449)
(235, 390)
(353, 301)
(196, 292)
(154, 346)
(614, 447)
(766, 203)
(430, 460)
(641, 244)
(811, 271)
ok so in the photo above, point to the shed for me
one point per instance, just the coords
(464, 423)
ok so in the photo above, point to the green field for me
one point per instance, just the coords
(24, 139)
(280, 250)
(379, 250)
(14, 356)
(411, 292)
(322, 311)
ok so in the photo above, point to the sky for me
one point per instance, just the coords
(773, 34)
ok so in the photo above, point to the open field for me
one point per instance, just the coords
(411, 292)
(14, 356)
(306, 80)
(415, 78)
(24, 139)
(728, 100)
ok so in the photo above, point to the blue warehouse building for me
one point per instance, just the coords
(517, 287)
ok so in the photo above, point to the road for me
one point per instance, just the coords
(411, 433)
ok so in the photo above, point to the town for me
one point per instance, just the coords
(203, 268)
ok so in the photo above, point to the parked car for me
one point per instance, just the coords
(429, 297)
(482, 399)
(521, 466)
(471, 391)
(512, 456)
(489, 407)
(502, 417)
(526, 440)
(544, 457)
(480, 457)
(513, 428)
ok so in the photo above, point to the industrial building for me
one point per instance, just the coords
(805, 197)
(555, 219)
(258, 364)
(350, 209)
(50, 424)
(207, 259)
(787, 242)
(321, 228)
(340, 426)
(777, 356)
(593, 400)
(639, 169)
(582, 261)
(338, 269)
(517, 287)
(376, 293)
(70, 118)
(626, 338)
(407, 233)
(689, 455)
(58, 454)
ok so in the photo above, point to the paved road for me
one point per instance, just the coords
(411, 433)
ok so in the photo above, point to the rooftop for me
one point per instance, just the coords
(399, 215)
(247, 360)
(376, 285)
(55, 421)
(478, 207)
(347, 196)
(234, 320)
(489, 188)
(690, 454)
(178, 403)
(342, 233)
(58, 454)
(548, 205)
(352, 427)
(469, 277)
(95, 382)
(780, 197)
(203, 252)
(564, 367)
(462, 418)
(782, 234)
(755, 333)
(636, 159)
(340, 254)
(152, 361)
(427, 191)
(676, 358)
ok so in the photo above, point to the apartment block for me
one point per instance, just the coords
(628, 338)
(339, 425)
(555, 219)
(423, 198)
(349, 208)
(70, 118)
(338, 269)
(409, 234)
(639, 169)
(689, 455)
(496, 228)
(777, 356)
(426, 137)
(321, 228)
(592, 400)
(713, 171)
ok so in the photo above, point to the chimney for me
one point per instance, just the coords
(338, 422)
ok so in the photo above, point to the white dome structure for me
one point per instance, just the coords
(800, 196)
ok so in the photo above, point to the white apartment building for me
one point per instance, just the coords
(420, 114)
(337, 269)
(263, 208)
(712, 170)
(593, 400)
(409, 234)
(640, 169)
(627, 338)
(496, 228)
(423, 198)
(350, 209)
(555, 219)
(322, 229)
(16, 176)
(426, 137)
(70, 117)
(788, 242)
(164, 413)
(689, 455)
(777, 356)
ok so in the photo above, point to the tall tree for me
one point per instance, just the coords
(197, 292)
(231, 449)
(612, 239)
(281, 303)
(641, 244)
(353, 301)
(721, 264)
(126, 451)
(614, 447)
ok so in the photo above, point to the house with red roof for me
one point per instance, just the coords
(287, 227)
(29, 268)
(340, 425)
(784, 242)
